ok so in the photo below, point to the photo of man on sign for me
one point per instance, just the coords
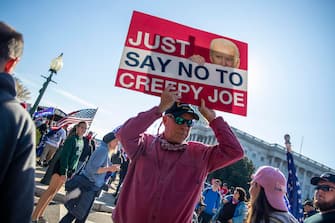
(159, 53)
(222, 52)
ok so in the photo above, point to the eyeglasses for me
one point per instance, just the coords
(325, 188)
(180, 121)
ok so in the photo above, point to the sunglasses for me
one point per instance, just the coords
(181, 121)
(218, 182)
(325, 188)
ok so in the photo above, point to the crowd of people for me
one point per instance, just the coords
(267, 201)
(164, 175)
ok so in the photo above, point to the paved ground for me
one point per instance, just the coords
(56, 211)
(101, 210)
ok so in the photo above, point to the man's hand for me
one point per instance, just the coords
(114, 168)
(288, 143)
(168, 97)
(288, 147)
(63, 178)
(197, 59)
(209, 114)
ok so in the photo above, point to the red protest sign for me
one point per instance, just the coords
(199, 64)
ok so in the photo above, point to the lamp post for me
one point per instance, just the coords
(55, 66)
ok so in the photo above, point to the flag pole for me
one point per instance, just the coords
(96, 110)
(302, 141)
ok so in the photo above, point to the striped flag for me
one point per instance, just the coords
(293, 190)
(86, 115)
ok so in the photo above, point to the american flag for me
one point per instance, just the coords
(293, 190)
(86, 115)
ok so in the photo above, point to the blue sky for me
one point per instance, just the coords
(291, 46)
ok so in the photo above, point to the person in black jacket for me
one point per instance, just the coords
(17, 137)
(123, 171)
(89, 147)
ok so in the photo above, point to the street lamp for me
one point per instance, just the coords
(55, 66)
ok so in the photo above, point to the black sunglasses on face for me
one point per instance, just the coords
(180, 121)
(325, 188)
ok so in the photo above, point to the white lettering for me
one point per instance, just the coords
(156, 43)
(157, 85)
(168, 45)
(229, 97)
(123, 77)
(142, 80)
(183, 45)
(183, 88)
(165, 43)
(139, 39)
(196, 91)
(225, 97)
(238, 99)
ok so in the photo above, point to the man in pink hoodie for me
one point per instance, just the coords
(166, 173)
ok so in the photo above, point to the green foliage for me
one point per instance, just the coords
(237, 174)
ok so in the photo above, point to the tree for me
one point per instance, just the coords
(23, 94)
(237, 174)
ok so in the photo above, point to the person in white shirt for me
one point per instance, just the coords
(54, 140)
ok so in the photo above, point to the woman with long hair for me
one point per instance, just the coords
(234, 208)
(267, 197)
(66, 165)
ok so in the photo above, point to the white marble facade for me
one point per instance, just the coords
(263, 153)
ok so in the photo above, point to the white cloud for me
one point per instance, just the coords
(74, 98)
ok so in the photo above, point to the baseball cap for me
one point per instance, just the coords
(177, 109)
(112, 135)
(327, 176)
(274, 183)
(108, 137)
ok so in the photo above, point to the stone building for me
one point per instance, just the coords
(264, 153)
